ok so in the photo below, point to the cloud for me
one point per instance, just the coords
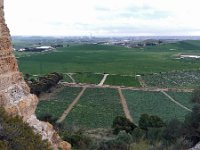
(102, 17)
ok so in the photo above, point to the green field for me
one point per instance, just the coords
(175, 79)
(87, 77)
(56, 105)
(112, 59)
(152, 103)
(66, 78)
(122, 80)
(97, 108)
(183, 98)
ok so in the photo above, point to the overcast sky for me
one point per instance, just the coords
(103, 17)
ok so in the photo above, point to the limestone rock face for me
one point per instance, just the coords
(15, 95)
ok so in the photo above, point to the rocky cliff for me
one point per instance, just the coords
(15, 95)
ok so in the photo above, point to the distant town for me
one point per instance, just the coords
(43, 44)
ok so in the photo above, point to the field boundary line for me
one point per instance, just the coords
(124, 105)
(69, 108)
(70, 76)
(173, 100)
(124, 88)
(103, 80)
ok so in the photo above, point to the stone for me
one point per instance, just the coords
(15, 94)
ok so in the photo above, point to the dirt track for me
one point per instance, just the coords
(177, 103)
(122, 98)
(153, 89)
(69, 108)
(103, 80)
(124, 105)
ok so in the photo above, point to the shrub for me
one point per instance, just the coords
(121, 123)
(17, 135)
(113, 145)
(48, 118)
(173, 131)
(196, 96)
(77, 139)
(138, 134)
(191, 127)
(147, 121)
(44, 83)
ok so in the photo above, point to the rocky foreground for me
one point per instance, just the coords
(15, 95)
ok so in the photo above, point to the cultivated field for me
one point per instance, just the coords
(122, 80)
(177, 79)
(153, 103)
(87, 77)
(99, 105)
(56, 104)
(97, 108)
(112, 59)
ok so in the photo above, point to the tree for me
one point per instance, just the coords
(196, 96)
(147, 121)
(122, 123)
(173, 131)
(191, 127)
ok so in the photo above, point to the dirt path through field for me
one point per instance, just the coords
(70, 76)
(173, 100)
(103, 80)
(153, 89)
(69, 108)
(124, 105)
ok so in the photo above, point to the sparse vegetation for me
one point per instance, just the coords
(17, 135)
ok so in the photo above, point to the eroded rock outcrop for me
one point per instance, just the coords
(15, 95)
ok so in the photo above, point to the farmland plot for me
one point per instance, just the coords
(183, 98)
(188, 79)
(97, 108)
(152, 103)
(56, 105)
(122, 80)
(87, 77)
(66, 78)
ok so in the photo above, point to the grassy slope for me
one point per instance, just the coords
(111, 59)
(97, 108)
